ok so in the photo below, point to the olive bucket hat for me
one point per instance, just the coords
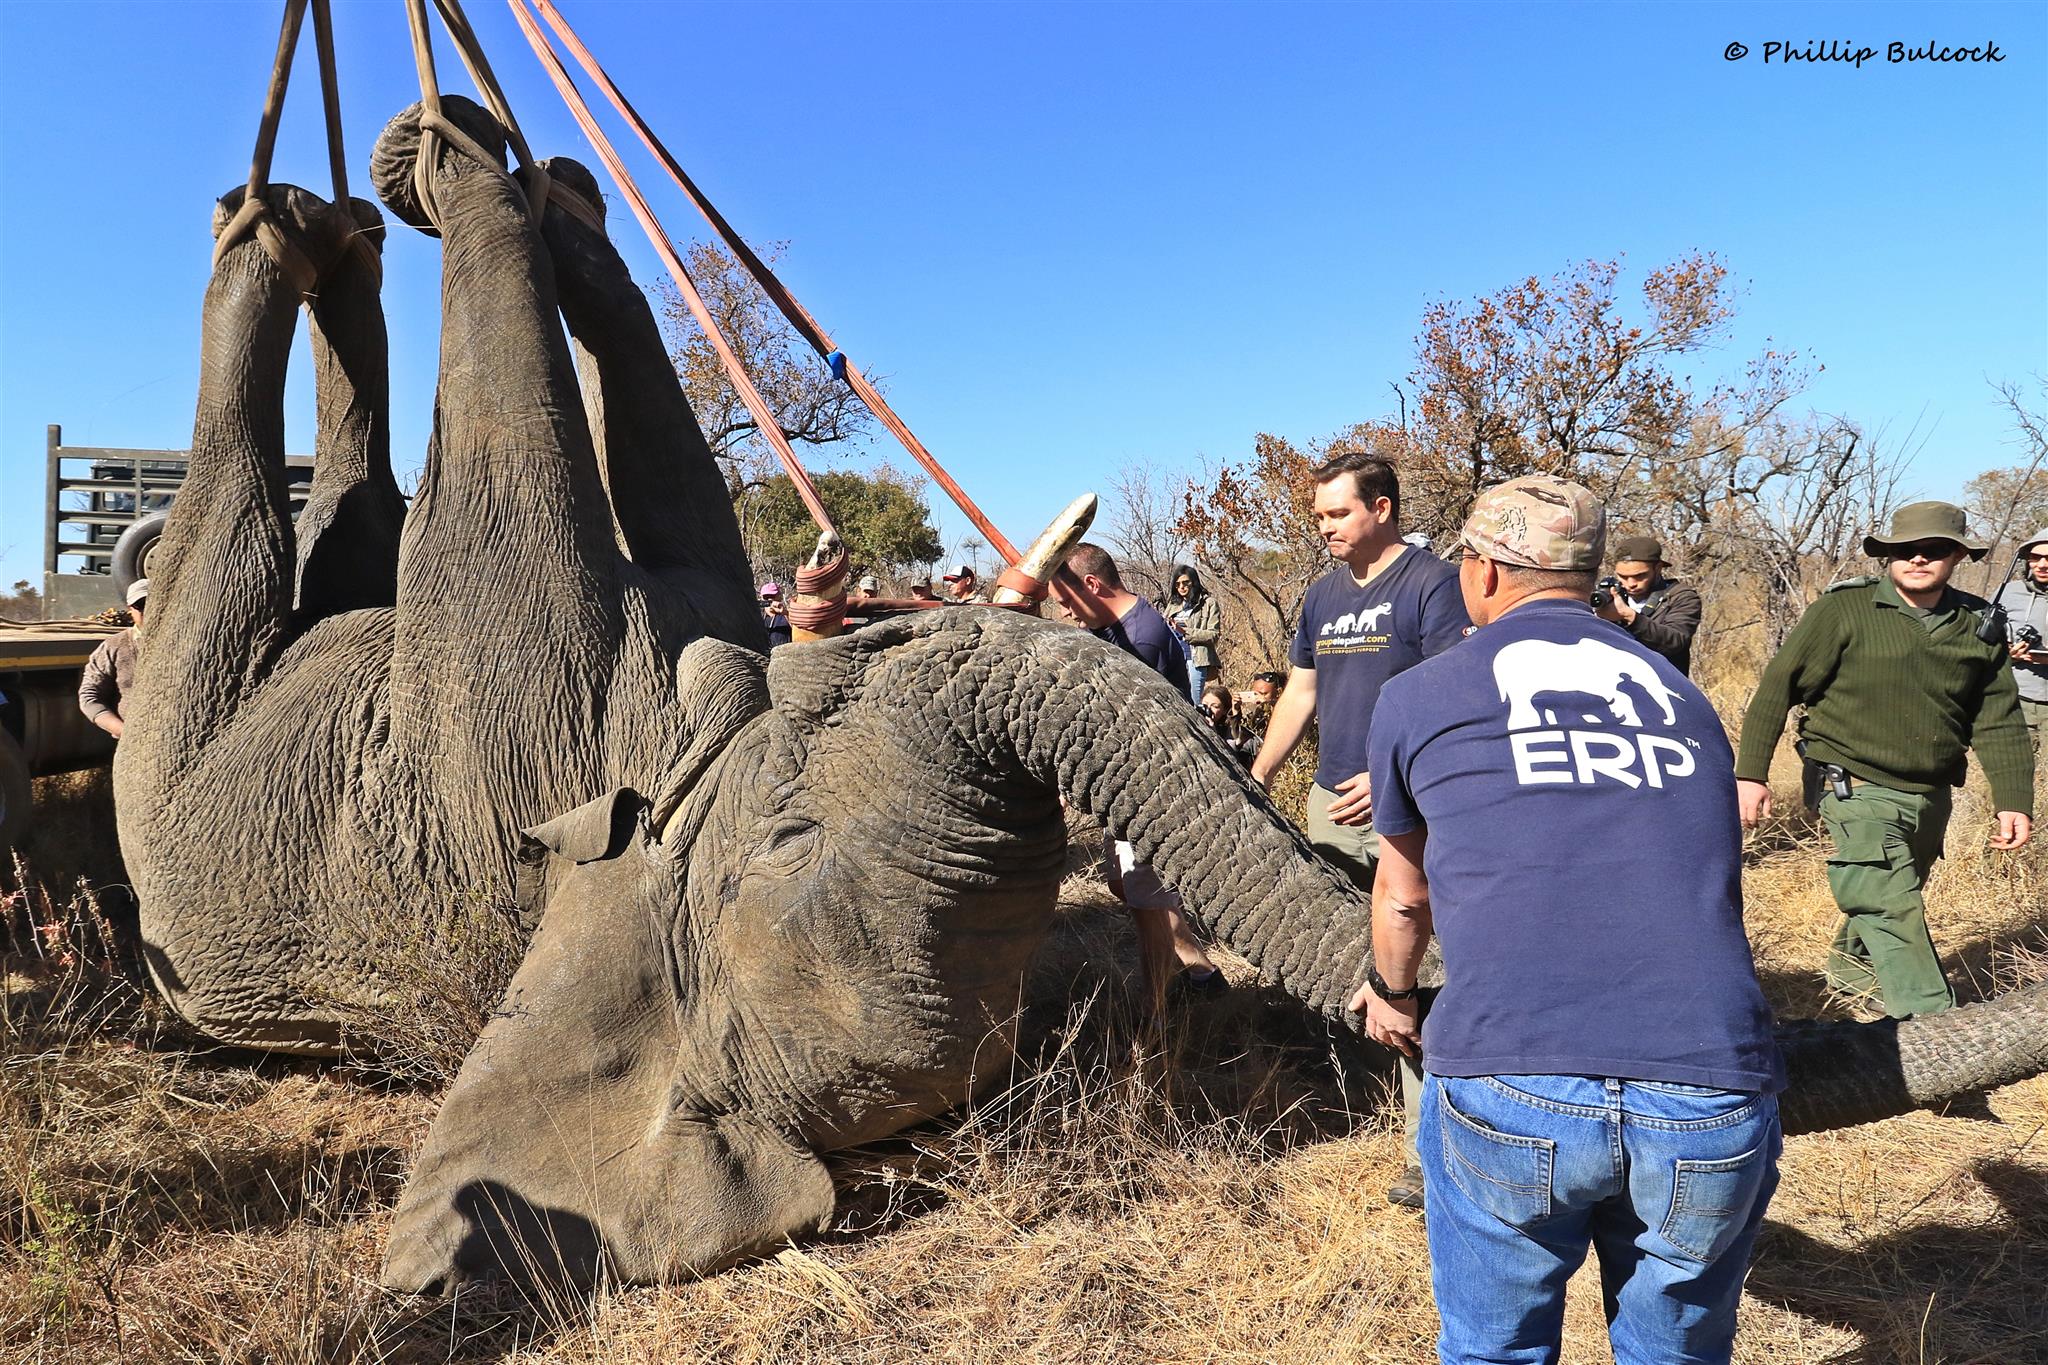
(1926, 521)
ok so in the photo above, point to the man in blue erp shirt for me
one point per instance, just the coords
(1129, 622)
(1601, 1070)
(1385, 607)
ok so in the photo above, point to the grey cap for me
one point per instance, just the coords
(2039, 537)
(870, 585)
(138, 592)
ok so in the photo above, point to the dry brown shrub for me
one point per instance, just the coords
(439, 974)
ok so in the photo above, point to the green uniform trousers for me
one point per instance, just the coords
(1886, 843)
(2035, 713)
(1356, 849)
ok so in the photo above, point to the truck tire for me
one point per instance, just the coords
(14, 792)
(133, 549)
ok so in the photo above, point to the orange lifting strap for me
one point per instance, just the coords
(764, 416)
(786, 302)
(798, 316)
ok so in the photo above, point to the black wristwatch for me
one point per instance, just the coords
(1383, 990)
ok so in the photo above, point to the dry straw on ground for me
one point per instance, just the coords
(1215, 1196)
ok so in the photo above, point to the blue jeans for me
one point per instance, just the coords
(1666, 1183)
(1198, 678)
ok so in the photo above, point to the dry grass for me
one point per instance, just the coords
(1215, 1198)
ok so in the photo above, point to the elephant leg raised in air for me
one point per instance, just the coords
(221, 584)
(349, 528)
(508, 614)
(672, 505)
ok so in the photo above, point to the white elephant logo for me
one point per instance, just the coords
(1366, 620)
(1530, 669)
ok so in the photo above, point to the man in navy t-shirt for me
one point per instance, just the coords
(1601, 1068)
(1384, 608)
(1131, 623)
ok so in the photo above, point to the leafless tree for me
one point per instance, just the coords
(2006, 504)
(810, 405)
(1142, 506)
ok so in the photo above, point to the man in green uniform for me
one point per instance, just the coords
(1896, 687)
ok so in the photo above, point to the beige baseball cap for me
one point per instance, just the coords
(1538, 521)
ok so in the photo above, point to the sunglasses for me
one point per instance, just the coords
(2037, 559)
(1929, 550)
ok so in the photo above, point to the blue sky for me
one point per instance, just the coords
(1077, 236)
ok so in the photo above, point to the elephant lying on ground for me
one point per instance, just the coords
(788, 904)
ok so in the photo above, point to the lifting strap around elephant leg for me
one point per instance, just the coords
(434, 125)
(254, 218)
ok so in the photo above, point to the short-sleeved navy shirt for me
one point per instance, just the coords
(1356, 638)
(1143, 631)
(1583, 857)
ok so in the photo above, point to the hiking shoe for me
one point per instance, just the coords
(1189, 986)
(1406, 1191)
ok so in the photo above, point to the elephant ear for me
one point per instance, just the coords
(593, 831)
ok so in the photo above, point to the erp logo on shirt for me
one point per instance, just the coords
(1552, 688)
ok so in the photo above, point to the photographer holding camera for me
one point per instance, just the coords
(1661, 614)
(1253, 711)
(2025, 600)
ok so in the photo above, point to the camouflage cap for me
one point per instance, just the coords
(1539, 522)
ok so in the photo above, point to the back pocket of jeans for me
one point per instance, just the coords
(1503, 1173)
(1711, 1202)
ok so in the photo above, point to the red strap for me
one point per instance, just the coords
(798, 317)
(764, 417)
(1016, 580)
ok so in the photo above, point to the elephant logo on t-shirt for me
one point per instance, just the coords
(1366, 620)
(1590, 671)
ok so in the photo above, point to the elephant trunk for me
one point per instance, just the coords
(1841, 1074)
(1119, 742)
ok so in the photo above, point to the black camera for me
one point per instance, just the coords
(2028, 636)
(1604, 590)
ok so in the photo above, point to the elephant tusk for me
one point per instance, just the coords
(1025, 580)
(818, 610)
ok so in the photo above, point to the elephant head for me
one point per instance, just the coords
(819, 936)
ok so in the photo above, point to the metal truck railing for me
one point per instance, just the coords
(95, 494)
